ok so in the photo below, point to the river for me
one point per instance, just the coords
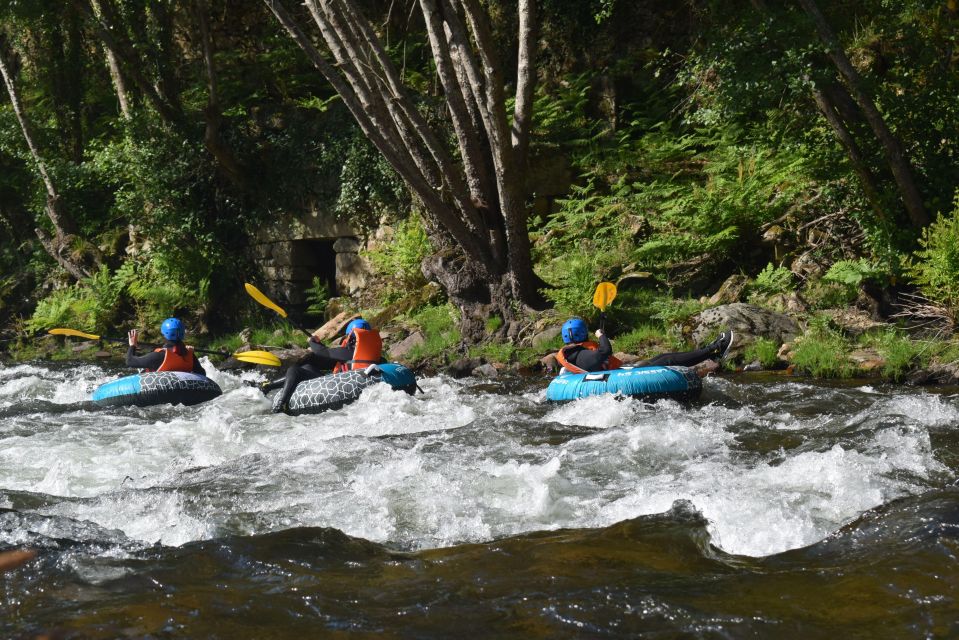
(771, 507)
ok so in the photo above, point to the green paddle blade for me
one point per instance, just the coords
(258, 357)
(605, 294)
(260, 297)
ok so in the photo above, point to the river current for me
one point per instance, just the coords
(771, 507)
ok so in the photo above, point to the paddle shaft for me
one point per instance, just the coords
(151, 345)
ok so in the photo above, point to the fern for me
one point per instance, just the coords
(317, 297)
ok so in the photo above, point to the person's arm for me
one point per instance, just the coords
(340, 354)
(151, 360)
(605, 347)
(592, 359)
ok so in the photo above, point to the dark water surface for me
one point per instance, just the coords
(772, 508)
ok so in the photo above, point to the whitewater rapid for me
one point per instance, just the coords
(771, 467)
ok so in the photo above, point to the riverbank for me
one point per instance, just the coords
(841, 343)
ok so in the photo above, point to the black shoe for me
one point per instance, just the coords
(721, 345)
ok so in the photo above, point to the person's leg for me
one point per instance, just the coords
(681, 359)
(717, 349)
(296, 374)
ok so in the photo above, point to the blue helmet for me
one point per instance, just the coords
(574, 330)
(172, 329)
(359, 323)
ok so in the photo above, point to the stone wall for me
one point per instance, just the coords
(291, 252)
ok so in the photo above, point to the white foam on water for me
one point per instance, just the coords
(466, 464)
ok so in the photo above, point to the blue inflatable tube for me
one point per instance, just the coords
(158, 387)
(679, 383)
(338, 389)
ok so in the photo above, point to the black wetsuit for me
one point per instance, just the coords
(154, 359)
(590, 359)
(595, 359)
(318, 362)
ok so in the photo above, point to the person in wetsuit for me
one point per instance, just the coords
(360, 347)
(172, 356)
(579, 355)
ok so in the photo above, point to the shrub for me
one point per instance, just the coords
(494, 352)
(828, 295)
(574, 278)
(90, 305)
(935, 268)
(398, 261)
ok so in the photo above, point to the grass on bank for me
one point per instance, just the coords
(764, 350)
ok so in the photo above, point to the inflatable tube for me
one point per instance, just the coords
(158, 387)
(678, 383)
(338, 389)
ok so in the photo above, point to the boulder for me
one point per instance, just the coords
(791, 302)
(542, 339)
(626, 358)
(401, 350)
(853, 322)
(485, 371)
(463, 367)
(937, 372)
(335, 325)
(731, 290)
(748, 322)
(867, 360)
(290, 356)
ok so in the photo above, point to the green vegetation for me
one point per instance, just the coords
(317, 297)
(438, 324)
(822, 351)
(935, 269)
(900, 353)
(764, 351)
(396, 263)
(772, 280)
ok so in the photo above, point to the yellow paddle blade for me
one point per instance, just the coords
(73, 332)
(258, 357)
(260, 297)
(605, 293)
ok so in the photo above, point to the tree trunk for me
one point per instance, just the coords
(221, 151)
(116, 75)
(473, 201)
(65, 229)
(840, 128)
(895, 155)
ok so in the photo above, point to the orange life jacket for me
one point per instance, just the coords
(173, 361)
(611, 363)
(368, 350)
